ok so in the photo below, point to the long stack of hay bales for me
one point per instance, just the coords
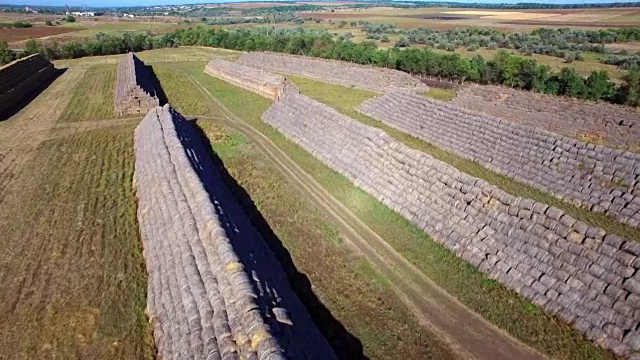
(135, 88)
(337, 72)
(20, 78)
(215, 289)
(608, 124)
(258, 81)
(599, 178)
(580, 273)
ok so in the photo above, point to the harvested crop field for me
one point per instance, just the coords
(12, 35)
(76, 272)
(71, 266)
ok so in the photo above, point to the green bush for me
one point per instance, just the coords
(22, 25)
(48, 23)
(70, 19)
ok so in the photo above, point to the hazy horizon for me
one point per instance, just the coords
(123, 3)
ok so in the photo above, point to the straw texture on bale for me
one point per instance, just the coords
(258, 81)
(215, 289)
(20, 78)
(587, 277)
(337, 72)
(135, 88)
(598, 178)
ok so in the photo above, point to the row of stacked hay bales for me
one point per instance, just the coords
(22, 78)
(608, 124)
(215, 289)
(599, 178)
(136, 91)
(580, 273)
(337, 72)
(255, 80)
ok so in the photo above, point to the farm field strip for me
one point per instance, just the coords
(150, 57)
(71, 269)
(492, 300)
(21, 134)
(93, 97)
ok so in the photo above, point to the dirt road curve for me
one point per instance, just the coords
(469, 335)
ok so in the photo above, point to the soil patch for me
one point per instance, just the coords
(11, 35)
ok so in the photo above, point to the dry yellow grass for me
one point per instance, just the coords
(502, 15)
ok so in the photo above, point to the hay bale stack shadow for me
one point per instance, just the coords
(215, 288)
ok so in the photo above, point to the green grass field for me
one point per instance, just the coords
(72, 256)
(179, 90)
(93, 98)
(487, 297)
(151, 57)
(441, 94)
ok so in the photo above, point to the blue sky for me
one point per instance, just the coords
(111, 3)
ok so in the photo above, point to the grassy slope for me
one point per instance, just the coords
(94, 96)
(495, 302)
(71, 261)
(345, 283)
(346, 99)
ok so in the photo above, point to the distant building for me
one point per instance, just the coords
(131, 16)
(81, 14)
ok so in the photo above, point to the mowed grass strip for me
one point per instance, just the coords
(503, 307)
(179, 90)
(345, 100)
(93, 99)
(354, 293)
(440, 94)
(71, 268)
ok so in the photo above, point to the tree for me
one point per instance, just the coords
(70, 19)
(22, 24)
(403, 42)
(6, 55)
(630, 91)
(33, 47)
(571, 83)
(598, 86)
(48, 23)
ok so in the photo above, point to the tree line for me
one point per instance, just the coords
(504, 68)
(566, 43)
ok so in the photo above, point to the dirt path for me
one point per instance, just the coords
(21, 134)
(469, 335)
